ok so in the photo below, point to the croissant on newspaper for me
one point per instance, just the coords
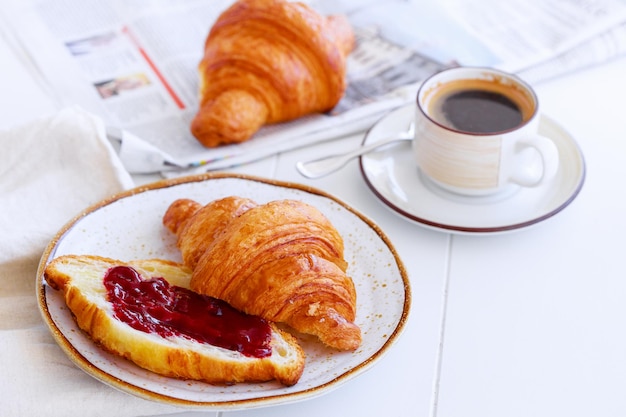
(268, 61)
(282, 261)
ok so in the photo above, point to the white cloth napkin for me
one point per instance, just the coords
(50, 170)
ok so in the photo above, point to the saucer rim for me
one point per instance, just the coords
(466, 229)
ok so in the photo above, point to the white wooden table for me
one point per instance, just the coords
(530, 323)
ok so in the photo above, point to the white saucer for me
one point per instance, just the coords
(393, 176)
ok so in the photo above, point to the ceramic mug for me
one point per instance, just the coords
(476, 133)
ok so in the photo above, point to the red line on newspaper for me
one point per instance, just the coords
(154, 68)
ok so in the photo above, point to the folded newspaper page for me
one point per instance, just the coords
(134, 63)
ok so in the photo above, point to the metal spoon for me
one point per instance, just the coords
(321, 167)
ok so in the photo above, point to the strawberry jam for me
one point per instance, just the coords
(155, 306)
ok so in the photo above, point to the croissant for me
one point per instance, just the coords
(268, 61)
(282, 261)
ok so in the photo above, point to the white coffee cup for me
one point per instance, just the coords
(476, 133)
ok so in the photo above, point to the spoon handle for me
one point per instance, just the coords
(323, 166)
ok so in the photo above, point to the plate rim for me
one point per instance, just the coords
(245, 403)
(469, 230)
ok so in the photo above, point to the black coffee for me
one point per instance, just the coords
(479, 111)
(480, 106)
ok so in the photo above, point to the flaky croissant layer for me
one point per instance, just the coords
(282, 261)
(268, 61)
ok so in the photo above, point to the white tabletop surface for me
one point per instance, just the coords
(529, 323)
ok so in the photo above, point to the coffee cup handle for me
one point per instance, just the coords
(529, 176)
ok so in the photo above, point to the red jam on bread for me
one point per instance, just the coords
(155, 306)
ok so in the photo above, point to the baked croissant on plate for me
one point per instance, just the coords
(282, 261)
(268, 61)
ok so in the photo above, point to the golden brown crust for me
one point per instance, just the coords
(282, 261)
(208, 222)
(180, 211)
(268, 61)
(80, 279)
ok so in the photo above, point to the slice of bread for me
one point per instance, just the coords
(81, 278)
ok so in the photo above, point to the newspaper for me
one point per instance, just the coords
(134, 63)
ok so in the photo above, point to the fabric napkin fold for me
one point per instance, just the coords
(50, 170)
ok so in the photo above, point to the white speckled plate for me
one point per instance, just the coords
(128, 226)
(395, 179)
